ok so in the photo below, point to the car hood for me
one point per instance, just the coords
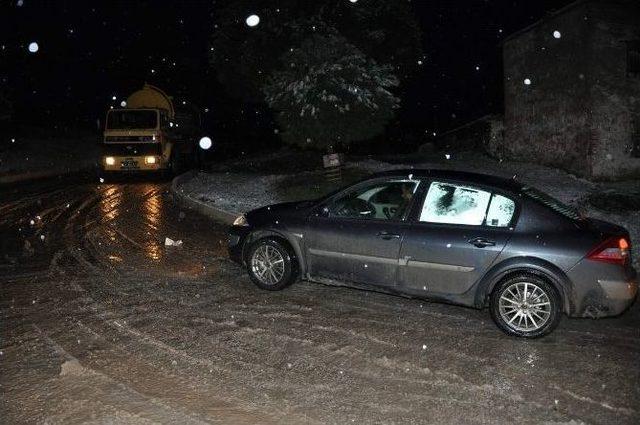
(280, 211)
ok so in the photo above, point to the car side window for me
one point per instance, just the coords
(455, 204)
(501, 211)
(386, 200)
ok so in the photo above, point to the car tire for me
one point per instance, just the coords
(271, 264)
(533, 315)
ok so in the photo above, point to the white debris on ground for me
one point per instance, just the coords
(237, 193)
(171, 242)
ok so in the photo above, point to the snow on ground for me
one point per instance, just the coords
(103, 323)
(235, 193)
(243, 192)
(58, 155)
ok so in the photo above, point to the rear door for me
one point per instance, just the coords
(455, 235)
(358, 235)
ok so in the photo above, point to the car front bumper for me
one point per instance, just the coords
(236, 241)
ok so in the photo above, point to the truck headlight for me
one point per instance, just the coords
(150, 160)
(109, 160)
(241, 221)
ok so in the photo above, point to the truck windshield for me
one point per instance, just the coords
(132, 119)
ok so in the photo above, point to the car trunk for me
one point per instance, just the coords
(603, 229)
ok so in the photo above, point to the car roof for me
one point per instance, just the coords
(478, 178)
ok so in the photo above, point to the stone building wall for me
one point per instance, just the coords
(568, 101)
(476, 135)
(615, 94)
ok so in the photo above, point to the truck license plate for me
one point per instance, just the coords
(129, 163)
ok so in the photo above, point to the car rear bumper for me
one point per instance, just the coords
(608, 296)
(618, 295)
(235, 242)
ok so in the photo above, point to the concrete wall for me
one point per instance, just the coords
(574, 114)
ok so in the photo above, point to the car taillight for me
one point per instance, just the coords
(614, 250)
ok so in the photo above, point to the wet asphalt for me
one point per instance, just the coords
(102, 323)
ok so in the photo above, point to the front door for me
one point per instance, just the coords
(358, 235)
(457, 235)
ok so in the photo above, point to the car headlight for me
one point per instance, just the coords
(241, 221)
(109, 160)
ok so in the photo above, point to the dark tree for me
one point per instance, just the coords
(244, 57)
(328, 93)
(6, 106)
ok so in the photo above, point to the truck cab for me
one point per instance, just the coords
(143, 135)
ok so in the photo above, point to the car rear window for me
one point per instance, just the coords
(455, 204)
(451, 203)
(550, 202)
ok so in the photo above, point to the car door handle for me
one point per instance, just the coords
(387, 236)
(481, 242)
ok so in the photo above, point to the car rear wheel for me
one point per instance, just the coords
(271, 264)
(526, 306)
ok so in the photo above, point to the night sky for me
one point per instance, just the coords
(90, 51)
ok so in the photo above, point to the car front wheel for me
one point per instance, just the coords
(526, 306)
(271, 264)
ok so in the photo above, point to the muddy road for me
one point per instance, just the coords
(101, 323)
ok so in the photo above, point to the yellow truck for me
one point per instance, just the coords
(145, 135)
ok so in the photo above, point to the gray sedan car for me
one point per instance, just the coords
(462, 238)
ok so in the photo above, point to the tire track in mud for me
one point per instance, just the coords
(115, 393)
(101, 283)
(153, 341)
(457, 384)
(163, 346)
(138, 347)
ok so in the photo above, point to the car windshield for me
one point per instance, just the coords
(132, 120)
(557, 206)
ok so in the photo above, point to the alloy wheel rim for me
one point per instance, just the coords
(267, 264)
(524, 306)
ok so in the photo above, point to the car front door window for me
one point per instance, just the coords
(388, 200)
